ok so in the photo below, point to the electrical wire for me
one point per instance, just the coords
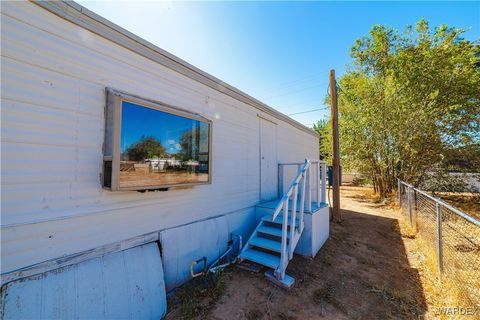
(300, 103)
(291, 92)
(294, 83)
(303, 103)
(308, 111)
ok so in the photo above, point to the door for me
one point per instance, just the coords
(268, 160)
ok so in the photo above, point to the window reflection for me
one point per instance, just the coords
(159, 148)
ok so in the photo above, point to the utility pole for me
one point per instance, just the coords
(337, 215)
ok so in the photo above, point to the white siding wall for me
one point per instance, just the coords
(52, 83)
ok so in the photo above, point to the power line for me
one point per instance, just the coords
(294, 83)
(312, 124)
(302, 104)
(308, 111)
(291, 92)
(309, 103)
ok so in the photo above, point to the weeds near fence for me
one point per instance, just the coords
(450, 242)
(441, 292)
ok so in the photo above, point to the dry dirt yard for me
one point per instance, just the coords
(366, 270)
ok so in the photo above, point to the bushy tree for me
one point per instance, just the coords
(407, 101)
(145, 148)
(324, 129)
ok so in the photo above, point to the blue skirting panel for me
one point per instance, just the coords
(207, 238)
(123, 285)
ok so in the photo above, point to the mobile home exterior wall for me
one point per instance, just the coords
(54, 74)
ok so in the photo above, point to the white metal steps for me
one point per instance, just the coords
(274, 240)
(260, 257)
(269, 230)
(265, 243)
(279, 220)
(265, 246)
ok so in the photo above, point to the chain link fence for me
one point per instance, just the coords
(450, 237)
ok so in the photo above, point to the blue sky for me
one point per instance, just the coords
(141, 122)
(278, 52)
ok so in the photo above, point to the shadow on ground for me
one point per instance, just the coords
(362, 272)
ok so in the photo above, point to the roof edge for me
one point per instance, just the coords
(81, 16)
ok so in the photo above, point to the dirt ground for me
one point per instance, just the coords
(366, 270)
(149, 179)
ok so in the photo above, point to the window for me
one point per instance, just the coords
(149, 145)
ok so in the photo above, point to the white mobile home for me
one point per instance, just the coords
(122, 164)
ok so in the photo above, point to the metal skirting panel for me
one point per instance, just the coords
(208, 238)
(316, 232)
(124, 285)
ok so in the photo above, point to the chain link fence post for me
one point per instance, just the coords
(399, 191)
(439, 238)
(447, 235)
(415, 209)
(409, 190)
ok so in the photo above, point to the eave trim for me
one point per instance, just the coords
(81, 16)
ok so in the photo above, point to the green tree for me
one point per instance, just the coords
(189, 148)
(324, 129)
(407, 101)
(145, 148)
(193, 143)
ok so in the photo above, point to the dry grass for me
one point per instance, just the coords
(195, 299)
(368, 195)
(467, 202)
(405, 230)
(440, 290)
(459, 284)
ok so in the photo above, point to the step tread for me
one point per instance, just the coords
(272, 205)
(271, 231)
(263, 258)
(266, 244)
(279, 220)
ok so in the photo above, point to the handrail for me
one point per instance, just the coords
(300, 163)
(287, 195)
(301, 183)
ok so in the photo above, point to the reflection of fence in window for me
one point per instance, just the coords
(448, 233)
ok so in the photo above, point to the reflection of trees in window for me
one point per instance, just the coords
(194, 146)
(190, 143)
(146, 148)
